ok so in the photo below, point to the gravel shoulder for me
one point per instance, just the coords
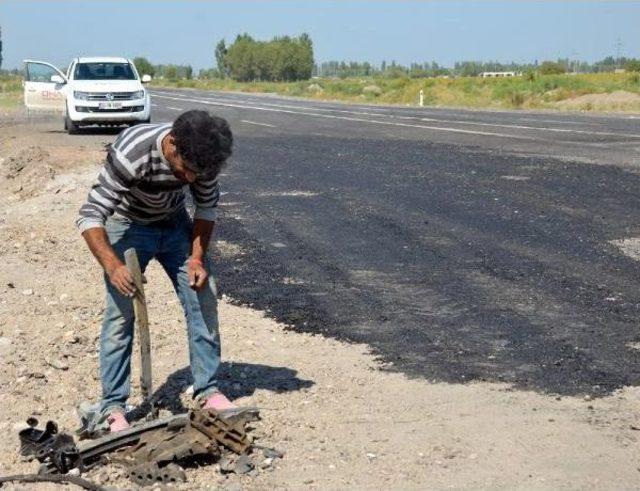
(340, 419)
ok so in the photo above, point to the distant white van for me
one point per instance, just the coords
(96, 90)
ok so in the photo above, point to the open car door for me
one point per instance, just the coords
(44, 87)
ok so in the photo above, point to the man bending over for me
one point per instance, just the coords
(138, 202)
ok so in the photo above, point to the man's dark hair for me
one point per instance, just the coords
(203, 140)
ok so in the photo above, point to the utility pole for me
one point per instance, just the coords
(574, 61)
(618, 52)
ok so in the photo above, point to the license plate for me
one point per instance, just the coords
(110, 105)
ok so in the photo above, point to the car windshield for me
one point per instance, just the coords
(104, 71)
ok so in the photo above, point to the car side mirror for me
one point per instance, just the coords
(146, 79)
(57, 79)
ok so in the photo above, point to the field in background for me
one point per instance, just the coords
(583, 92)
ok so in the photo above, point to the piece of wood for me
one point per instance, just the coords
(142, 322)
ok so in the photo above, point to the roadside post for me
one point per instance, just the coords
(421, 98)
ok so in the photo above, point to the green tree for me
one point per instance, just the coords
(171, 72)
(221, 53)
(551, 68)
(188, 72)
(283, 58)
(144, 66)
(305, 57)
(632, 66)
(240, 58)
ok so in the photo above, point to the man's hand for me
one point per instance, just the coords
(202, 230)
(117, 272)
(121, 278)
(197, 273)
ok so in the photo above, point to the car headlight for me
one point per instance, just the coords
(80, 96)
(138, 95)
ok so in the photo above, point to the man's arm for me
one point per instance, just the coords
(114, 180)
(202, 232)
(118, 274)
(206, 194)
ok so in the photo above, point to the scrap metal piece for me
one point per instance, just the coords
(55, 478)
(230, 435)
(148, 449)
(241, 415)
(150, 473)
(92, 452)
(166, 445)
(57, 450)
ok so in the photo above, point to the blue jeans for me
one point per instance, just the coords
(169, 243)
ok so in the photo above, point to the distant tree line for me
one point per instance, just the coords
(287, 59)
(171, 72)
(343, 69)
(561, 65)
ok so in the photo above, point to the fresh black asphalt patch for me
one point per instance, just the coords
(441, 260)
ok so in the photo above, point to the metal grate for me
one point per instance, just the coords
(116, 96)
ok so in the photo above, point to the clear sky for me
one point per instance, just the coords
(185, 32)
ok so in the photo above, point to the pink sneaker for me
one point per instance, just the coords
(219, 402)
(117, 421)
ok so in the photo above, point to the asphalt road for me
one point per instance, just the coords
(460, 245)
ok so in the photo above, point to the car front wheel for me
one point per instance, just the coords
(70, 126)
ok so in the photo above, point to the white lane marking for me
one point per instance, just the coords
(306, 194)
(515, 178)
(360, 120)
(259, 124)
(619, 144)
(175, 108)
(154, 105)
(435, 120)
(558, 130)
(287, 106)
(534, 120)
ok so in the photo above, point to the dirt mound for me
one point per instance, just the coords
(28, 171)
(24, 159)
(620, 100)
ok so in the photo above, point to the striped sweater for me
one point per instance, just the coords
(137, 183)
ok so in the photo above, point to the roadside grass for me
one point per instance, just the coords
(606, 91)
(10, 92)
(596, 92)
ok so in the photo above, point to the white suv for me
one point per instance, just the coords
(104, 91)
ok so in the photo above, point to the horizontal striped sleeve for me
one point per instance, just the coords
(114, 181)
(206, 194)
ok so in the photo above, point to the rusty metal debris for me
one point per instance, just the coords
(150, 473)
(228, 433)
(54, 478)
(149, 451)
(49, 445)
